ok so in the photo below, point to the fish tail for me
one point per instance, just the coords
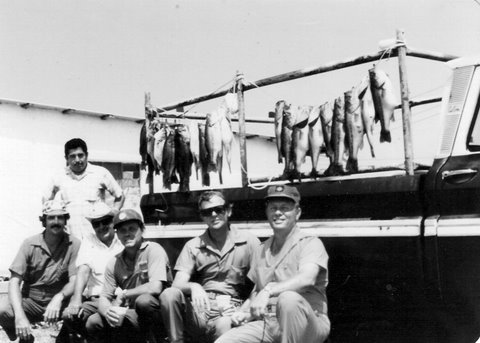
(385, 136)
(352, 165)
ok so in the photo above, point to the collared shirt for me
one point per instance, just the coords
(299, 249)
(96, 254)
(80, 192)
(219, 271)
(44, 274)
(119, 274)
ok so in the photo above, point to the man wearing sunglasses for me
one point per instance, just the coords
(95, 251)
(289, 302)
(212, 265)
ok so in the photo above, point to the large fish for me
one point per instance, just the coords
(338, 138)
(168, 161)
(368, 115)
(203, 155)
(315, 138)
(300, 138)
(354, 129)
(160, 137)
(213, 142)
(194, 144)
(326, 118)
(279, 107)
(153, 127)
(183, 156)
(384, 101)
(227, 138)
(288, 121)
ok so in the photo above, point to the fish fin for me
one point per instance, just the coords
(385, 136)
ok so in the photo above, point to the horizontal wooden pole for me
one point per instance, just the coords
(170, 115)
(421, 102)
(431, 55)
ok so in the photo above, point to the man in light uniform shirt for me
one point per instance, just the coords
(80, 186)
(95, 252)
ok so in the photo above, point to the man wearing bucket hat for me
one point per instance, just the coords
(142, 272)
(95, 251)
(46, 264)
(210, 267)
(289, 302)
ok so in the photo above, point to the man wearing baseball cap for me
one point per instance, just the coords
(95, 251)
(289, 301)
(46, 265)
(142, 272)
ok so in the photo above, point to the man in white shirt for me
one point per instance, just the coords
(95, 252)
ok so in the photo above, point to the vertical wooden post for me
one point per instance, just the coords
(241, 128)
(148, 108)
(405, 102)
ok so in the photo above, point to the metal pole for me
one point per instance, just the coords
(405, 102)
(241, 129)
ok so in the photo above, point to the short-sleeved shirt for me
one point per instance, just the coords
(119, 274)
(298, 250)
(45, 274)
(218, 272)
(95, 254)
(80, 192)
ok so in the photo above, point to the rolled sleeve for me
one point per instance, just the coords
(313, 251)
(19, 264)
(186, 260)
(157, 263)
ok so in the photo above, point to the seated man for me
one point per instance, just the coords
(46, 265)
(142, 271)
(215, 263)
(95, 251)
(291, 276)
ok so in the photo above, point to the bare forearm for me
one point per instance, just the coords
(15, 297)
(152, 287)
(103, 305)
(83, 273)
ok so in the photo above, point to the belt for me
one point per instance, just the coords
(233, 300)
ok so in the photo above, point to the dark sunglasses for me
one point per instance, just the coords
(207, 212)
(103, 222)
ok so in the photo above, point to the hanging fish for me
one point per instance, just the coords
(326, 118)
(168, 161)
(300, 138)
(160, 137)
(315, 138)
(213, 142)
(152, 129)
(183, 156)
(204, 159)
(338, 139)
(279, 107)
(288, 121)
(194, 144)
(384, 101)
(227, 138)
(368, 115)
(353, 128)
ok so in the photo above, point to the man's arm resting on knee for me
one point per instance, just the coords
(52, 313)
(83, 274)
(199, 297)
(22, 324)
(152, 287)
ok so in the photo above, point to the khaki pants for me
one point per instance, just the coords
(295, 322)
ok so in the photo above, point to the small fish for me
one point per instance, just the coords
(288, 121)
(384, 101)
(168, 161)
(326, 118)
(315, 138)
(194, 144)
(227, 138)
(300, 138)
(183, 156)
(338, 139)
(279, 106)
(213, 142)
(203, 155)
(368, 115)
(160, 138)
(354, 129)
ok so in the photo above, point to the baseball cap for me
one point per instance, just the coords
(100, 210)
(54, 208)
(125, 216)
(283, 191)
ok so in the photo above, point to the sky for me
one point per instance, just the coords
(102, 56)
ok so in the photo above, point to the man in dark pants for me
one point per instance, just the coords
(142, 271)
(46, 265)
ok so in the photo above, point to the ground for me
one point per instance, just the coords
(42, 333)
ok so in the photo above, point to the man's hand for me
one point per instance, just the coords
(52, 313)
(258, 305)
(200, 300)
(113, 317)
(239, 318)
(73, 309)
(22, 327)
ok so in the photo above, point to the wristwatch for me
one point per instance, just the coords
(268, 289)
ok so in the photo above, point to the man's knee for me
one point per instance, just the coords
(289, 301)
(145, 303)
(94, 323)
(222, 325)
(170, 296)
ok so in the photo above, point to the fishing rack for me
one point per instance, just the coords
(399, 50)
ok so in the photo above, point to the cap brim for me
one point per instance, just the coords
(56, 213)
(111, 215)
(280, 196)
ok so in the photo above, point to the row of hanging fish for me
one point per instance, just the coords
(173, 149)
(337, 128)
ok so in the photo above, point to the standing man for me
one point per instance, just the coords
(46, 265)
(142, 271)
(213, 264)
(289, 302)
(94, 254)
(80, 185)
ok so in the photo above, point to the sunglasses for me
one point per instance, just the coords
(207, 212)
(103, 222)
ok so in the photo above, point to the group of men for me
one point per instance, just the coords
(108, 284)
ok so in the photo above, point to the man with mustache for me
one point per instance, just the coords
(209, 266)
(289, 302)
(46, 265)
(142, 272)
(94, 254)
(81, 185)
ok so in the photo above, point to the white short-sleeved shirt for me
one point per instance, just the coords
(95, 254)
